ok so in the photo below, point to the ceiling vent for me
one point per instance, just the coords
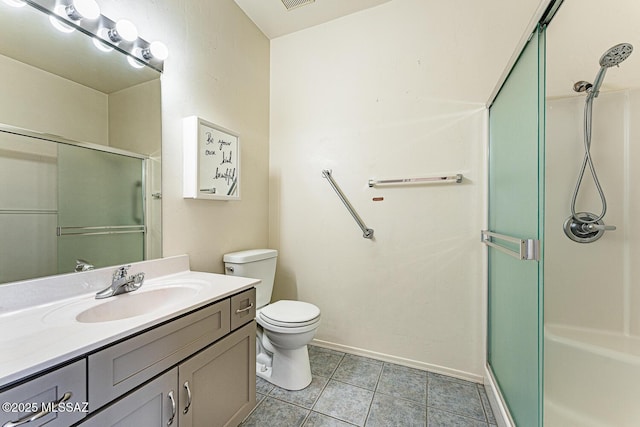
(292, 4)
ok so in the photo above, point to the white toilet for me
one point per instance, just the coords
(285, 327)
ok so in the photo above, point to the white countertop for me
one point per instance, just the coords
(39, 331)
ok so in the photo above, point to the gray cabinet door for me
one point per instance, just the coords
(153, 405)
(218, 385)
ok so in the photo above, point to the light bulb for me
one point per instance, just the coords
(124, 30)
(15, 3)
(100, 43)
(159, 50)
(156, 50)
(87, 9)
(134, 63)
(57, 23)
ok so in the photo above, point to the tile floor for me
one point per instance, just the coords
(350, 390)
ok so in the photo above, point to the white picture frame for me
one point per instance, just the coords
(211, 161)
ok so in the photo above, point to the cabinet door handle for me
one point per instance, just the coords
(242, 310)
(173, 408)
(47, 408)
(186, 386)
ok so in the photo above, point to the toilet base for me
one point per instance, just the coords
(290, 369)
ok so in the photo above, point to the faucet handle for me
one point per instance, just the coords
(82, 265)
(121, 272)
(135, 282)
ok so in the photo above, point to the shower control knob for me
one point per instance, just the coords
(602, 227)
(585, 227)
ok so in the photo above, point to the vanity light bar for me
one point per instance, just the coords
(85, 16)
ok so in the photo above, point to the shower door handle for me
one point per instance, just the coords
(528, 249)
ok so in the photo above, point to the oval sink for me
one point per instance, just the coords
(135, 304)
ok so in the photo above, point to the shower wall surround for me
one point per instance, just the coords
(594, 285)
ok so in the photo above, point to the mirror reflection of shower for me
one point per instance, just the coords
(587, 227)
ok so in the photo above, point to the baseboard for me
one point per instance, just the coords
(400, 361)
(498, 406)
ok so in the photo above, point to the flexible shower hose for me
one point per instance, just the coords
(588, 161)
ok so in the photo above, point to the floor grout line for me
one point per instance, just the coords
(375, 388)
(375, 392)
(484, 410)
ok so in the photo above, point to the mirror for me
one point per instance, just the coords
(80, 150)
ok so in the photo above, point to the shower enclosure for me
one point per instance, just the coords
(592, 285)
(564, 331)
(63, 202)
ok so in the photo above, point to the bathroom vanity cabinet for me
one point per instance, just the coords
(195, 370)
(212, 388)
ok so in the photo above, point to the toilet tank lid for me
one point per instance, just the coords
(251, 255)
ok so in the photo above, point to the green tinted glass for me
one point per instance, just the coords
(515, 209)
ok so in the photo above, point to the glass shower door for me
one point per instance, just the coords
(100, 208)
(516, 186)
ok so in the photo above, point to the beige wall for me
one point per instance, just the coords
(51, 104)
(218, 69)
(594, 285)
(394, 91)
(135, 118)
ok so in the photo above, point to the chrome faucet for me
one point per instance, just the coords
(82, 265)
(121, 284)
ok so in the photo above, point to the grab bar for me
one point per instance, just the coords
(107, 229)
(529, 249)
(367, 233)
(432, 179)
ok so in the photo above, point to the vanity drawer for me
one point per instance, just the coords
(67, 384)
(243, 308)
(121, 367)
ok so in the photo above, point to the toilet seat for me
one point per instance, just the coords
(287, 315)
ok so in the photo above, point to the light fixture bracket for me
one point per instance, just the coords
(72, 12)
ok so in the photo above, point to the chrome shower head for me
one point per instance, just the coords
(616, 55)
(611, 57)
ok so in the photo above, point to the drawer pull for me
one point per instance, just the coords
(35, 416)
(173, 408)
(186, 386)
(242, 310)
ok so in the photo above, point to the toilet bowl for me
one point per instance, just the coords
(284, 327)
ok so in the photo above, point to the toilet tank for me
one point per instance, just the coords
(256, 264)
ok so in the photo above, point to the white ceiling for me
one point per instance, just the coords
(274, 20)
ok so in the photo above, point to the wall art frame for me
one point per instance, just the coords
(211, 161)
